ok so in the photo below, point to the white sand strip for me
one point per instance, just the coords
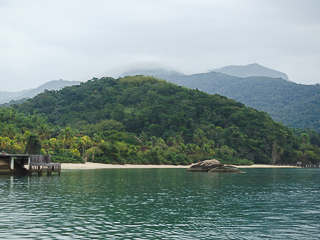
(90, 165)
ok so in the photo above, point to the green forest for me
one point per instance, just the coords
(294, 105)
(144, 120)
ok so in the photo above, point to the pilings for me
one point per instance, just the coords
(16, 164)
(41, 168)
(12, 163)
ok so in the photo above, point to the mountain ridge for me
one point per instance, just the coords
(295, 105)
(251, 70)
(6, 97)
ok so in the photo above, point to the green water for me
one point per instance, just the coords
(162, 204)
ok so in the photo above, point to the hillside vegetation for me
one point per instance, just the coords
(145, 120)
(292, 104)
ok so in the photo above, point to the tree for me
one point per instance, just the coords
(43, 131)
(67, 137)
(199, 137)
(33, 145)
(93, 152)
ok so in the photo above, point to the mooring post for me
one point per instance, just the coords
(29, 162)
(12, 163)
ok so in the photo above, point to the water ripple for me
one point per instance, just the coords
(162, 204)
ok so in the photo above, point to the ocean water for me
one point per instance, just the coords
(162, 204)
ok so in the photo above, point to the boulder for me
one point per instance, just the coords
(229, 169)
(204, 166)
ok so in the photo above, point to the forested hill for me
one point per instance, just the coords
(293, 104)
(169, 119)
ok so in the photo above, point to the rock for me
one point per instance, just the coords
(204, 166)
(212, 166)
(229, 169)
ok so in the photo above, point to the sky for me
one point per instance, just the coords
(77, 40)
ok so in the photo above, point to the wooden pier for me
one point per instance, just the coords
(27, 164)
(302, 165)
(48, 168)
(42, 164)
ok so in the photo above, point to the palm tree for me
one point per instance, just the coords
(43, 131)
(86, 143)
(67, 137)
(92, 152)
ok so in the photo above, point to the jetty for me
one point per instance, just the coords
(28, 164)
(300, 164)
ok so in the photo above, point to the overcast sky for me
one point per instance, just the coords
(48, 40)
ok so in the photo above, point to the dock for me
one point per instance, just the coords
(299, 164)
(42, 164)
(28, 164)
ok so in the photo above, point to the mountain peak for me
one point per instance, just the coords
(251, 70)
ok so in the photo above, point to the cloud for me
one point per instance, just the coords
(77, 39)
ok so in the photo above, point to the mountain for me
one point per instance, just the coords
(251, 70)
(6, 97)
(295, 105)
(167, 119)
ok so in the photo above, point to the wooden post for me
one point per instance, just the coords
(12, 163)
(29, 162)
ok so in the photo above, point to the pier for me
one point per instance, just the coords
(28, 164)
(42, 164)
(300, 164)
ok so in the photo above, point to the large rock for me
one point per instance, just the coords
(229, 169)
(204, 166)
(212, 166)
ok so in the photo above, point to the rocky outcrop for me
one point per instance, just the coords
(211, 166)
(229, 169)
(204, 166)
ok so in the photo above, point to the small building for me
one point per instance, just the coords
(27, 164)
(13, 163)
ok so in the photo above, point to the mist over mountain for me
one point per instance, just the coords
(251, 70)
(150, 72)
(6, 97)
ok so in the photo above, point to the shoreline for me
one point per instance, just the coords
(264, 166)
(90, 165)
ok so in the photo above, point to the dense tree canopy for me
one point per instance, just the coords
(145, 120)
(295, 105)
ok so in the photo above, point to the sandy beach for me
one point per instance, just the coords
(89, 165)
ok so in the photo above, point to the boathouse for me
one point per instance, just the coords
(27, 164)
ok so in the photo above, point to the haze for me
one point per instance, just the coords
(77, 40)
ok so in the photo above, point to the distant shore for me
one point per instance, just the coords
(264, 166)
(90, 165)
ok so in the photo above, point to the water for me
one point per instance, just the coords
(162, 204)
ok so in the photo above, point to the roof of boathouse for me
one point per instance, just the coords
(33, 157)
(4, 154)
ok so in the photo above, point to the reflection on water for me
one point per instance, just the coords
(162, 204)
